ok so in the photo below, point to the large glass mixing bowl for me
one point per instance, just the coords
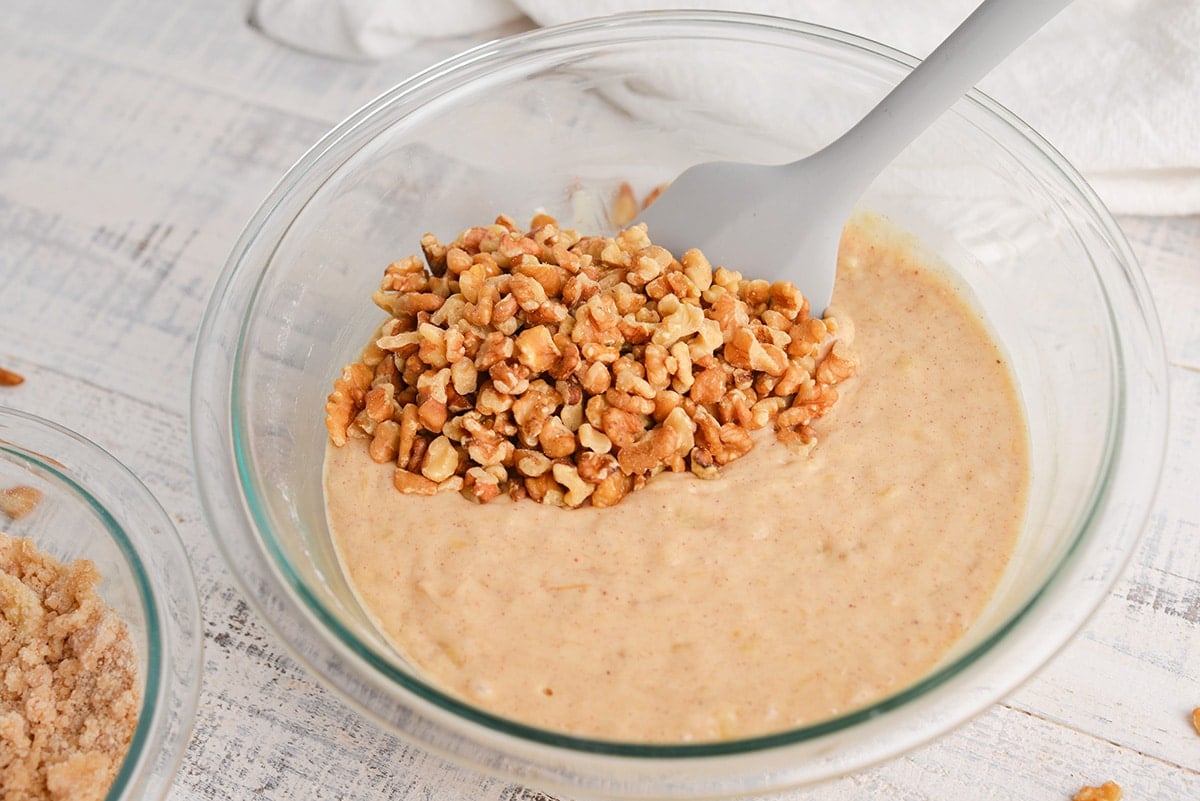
(557, 119)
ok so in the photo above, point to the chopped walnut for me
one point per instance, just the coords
(411, 483)
(20, 501)
(1109, 791)
(571, 369)
(10, 379)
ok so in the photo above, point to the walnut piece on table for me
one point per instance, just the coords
(1109, 791)
(10, 379)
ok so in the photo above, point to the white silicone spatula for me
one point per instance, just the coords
(784, 221)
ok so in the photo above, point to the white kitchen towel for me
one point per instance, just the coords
(375, 29)
(1113, 84)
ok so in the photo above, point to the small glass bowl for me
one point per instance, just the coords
(93, 507)
(557, 119)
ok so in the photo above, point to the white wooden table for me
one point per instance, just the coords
(136, 137)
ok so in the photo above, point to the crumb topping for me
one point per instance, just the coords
(20, 501)
(69, 695)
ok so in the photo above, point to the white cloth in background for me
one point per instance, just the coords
(1113, 84)
(375, 29)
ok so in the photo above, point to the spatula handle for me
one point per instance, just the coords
(983, 40)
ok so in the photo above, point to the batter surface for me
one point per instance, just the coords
(793, 588)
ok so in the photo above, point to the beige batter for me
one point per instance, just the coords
(792, 589)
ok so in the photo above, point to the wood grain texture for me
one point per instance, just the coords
(136, 139)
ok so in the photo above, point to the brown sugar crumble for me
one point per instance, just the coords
(69, 695)
(1109, 791)
(570, 369)
(20, 501)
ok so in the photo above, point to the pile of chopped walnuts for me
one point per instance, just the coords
(571, 369)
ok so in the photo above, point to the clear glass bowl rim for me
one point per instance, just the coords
(326, 156)
(171, 608)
